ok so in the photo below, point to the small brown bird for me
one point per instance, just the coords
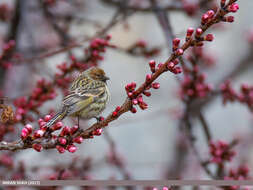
(88, 96)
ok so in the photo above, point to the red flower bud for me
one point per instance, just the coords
(148, 77)
(62, 140)
(39, 133)
(37, 147)
(97, 132)
(29, 127)
(74, 129)
(60, 149)
(47, 118)
(57, 126)
(133, 110)
(198, 33)
(209, 37)
(71, 148)
(155, 85)
(179, 52)
(78, 140)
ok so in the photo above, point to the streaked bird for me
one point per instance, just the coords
(88, 96)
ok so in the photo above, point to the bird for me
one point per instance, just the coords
(87, 97)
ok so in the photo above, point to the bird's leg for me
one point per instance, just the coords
(78, 120)
(97, 118)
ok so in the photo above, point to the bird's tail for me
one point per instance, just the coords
(56, 117)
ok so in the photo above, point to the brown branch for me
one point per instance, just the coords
(205, 127)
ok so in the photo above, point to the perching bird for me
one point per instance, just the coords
(88, 96)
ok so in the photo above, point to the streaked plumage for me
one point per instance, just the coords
(87, 98)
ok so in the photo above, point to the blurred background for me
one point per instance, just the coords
(149, 144)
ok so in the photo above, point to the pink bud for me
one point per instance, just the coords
(60, 149)
(74, 129)
(47, 118)
(204, 19)
(179, 52)
(37, 147)
(189, 32)
(170, 65)
(229, 19)
(114, 114)
(78, 140)
(97, 132)
(199, 31)
(210, 13)
(146, 93)
(148, 77)
(65, 131)
(62, 140)
(57, 126)
(155, 85)
(39, 133)
(133, 110)
(176, 42)
(209, 37)
(134, 101)
(152, 63)
(117, 108)
(24, 133)
(71, 148)
(29, 127)
(42, 124)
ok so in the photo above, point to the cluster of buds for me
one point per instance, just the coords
(64, 140)
(7, 54)
(245, 96)
(194, 85)
(97, 132)
(115, 112)
(234, 7)
(207, 17)
(140, 48)
(5, 12)
(231, 7)
(190, 7)
(138, 100)
(241, 173)
(199, 38)
(172, 67)
(175, 47)
(96, 48)
(220, 152)
(43, 92)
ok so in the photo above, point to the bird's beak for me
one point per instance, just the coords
(106, 78)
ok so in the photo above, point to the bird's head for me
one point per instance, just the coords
(97, 74)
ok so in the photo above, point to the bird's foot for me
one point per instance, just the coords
(99, 118)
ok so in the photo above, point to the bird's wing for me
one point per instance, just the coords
(86, 92)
